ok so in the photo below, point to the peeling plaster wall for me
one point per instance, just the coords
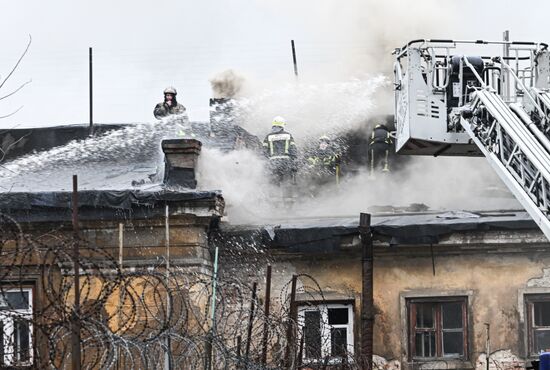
(493, 281)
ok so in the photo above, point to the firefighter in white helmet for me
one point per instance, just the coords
(280, 149)
(170, 105)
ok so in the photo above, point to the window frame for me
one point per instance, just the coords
(438, 330)
(323, 308)
(7, 322)
(530, 300)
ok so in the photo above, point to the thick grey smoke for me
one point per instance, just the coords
(439, 184)
(331, 97)
(227, 84)
(313, 109)
(337, 98)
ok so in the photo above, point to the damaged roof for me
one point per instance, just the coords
(327, 234)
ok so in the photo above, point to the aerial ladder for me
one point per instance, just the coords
(495, 105)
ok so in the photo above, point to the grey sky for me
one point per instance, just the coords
(142, 46)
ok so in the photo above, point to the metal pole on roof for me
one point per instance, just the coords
(367, 297)
(75, 319)
(294, 58)
(91, 87)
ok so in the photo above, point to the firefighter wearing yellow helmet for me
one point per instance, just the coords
(280, 149)
(324, 162)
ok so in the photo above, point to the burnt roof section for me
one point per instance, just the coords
(108, 205)
(325, 235)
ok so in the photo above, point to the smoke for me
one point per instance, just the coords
(227, 84)
(243, 180)
(341, 97)
(345, 63)
(440, 184)
(312, 109)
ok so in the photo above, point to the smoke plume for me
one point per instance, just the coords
(227, 84)
(339, 97)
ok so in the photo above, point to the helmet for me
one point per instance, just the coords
(325, 138)
(382, 126)
(170, 90)
(279, 121)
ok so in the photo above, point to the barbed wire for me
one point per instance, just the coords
(141, 318)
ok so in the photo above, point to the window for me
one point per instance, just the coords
(16, 327)
(327, 331)
(437, 328)
(538, 319)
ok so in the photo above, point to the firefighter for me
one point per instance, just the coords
(379, 148)
(324, 162)
(280, 149)
(170, 105)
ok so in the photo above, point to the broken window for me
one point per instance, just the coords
(538, 318)
(16, 327)
(437, 328)
(326, 332)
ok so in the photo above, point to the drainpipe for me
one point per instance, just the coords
(367, 300)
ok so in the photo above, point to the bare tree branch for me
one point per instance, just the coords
(6, 151)
(12, 113)
(11, 128)
(16, 90)
(17, 64)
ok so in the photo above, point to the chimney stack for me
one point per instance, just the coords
(180, 162)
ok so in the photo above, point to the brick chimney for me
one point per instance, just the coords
(180, 162)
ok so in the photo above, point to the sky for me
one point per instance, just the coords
(140, 47)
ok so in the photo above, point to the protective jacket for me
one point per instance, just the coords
(324, 161)
(379, 148)
(163, 110)
(380, 135)
(279, 144)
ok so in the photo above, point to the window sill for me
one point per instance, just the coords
(331, 361)
(438, 363)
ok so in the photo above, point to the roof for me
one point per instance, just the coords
(115, 158)
(107, 204)
(326, 234)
